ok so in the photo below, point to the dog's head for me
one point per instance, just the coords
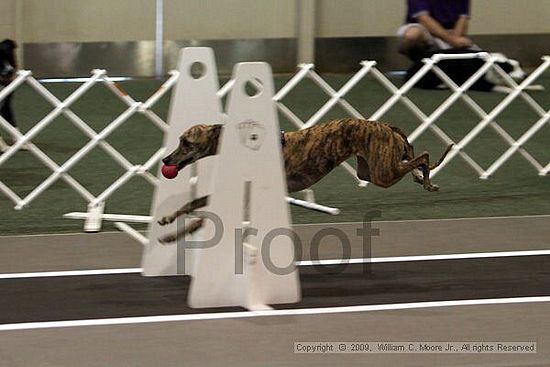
(198, 142)
(8, 65)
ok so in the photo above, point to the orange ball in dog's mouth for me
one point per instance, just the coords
(169, 171)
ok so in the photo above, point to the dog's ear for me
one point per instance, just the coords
(194, 134)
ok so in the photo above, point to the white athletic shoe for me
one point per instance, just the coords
(517, 73)
(3, 146)
(24, 147)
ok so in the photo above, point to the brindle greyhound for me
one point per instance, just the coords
(383, 153)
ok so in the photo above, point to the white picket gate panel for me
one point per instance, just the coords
(336, 97)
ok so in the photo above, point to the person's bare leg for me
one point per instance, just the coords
(415, 43)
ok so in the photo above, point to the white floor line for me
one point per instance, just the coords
(69, 273)
(267, 313)
(463, 256)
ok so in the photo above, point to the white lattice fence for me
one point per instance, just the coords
(336, 97)
(95, 203)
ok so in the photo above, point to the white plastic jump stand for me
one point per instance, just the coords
(249, 190)
(193, 101)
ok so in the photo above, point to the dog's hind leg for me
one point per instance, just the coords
(389, 176)
(422, 163)
(418, 176)
(186, 209)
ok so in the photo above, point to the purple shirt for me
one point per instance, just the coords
(445, 12)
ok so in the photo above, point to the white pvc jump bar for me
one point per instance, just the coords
(147, 219)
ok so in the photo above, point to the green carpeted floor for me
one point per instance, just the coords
(515, 189)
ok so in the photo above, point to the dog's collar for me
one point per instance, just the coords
(282, 138)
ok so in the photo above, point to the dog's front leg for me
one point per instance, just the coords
(363, 172)
(194, 226)
(186, 209)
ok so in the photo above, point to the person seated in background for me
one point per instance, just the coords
(441, 26)
(433, 25)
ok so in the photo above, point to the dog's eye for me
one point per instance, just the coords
(186, 142)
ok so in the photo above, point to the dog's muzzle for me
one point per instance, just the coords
(169, 161)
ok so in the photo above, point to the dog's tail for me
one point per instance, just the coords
(433, 166)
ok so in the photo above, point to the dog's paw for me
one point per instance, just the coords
(433, 188)
(166, 240)
(166, 220)
(194, 226)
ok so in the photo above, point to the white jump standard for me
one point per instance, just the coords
(247, 193)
